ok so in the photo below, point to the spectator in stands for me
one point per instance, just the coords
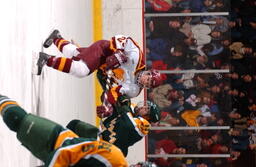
(201, 5)
(167, 146)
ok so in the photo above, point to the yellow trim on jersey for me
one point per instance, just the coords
(110, 129)
(119, 73)
(112, 41)
(62, 136)
(114, 92)
(141, 125)
(62, 63)
(101, 150)
(70, 155)
(3, 105)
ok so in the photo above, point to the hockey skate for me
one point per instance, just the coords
(39, 60)
(48, 42)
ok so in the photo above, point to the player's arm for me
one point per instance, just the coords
(128, 90)
(142, 126)
(123, 104)
(102, 77)
(124, 48)
(116, 59)
(113, 101)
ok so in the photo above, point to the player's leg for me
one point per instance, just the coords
(37, 134)
(74, 66)
(68, 49)
(83, 129)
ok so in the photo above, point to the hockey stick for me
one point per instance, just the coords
(105, 97)
(108, 83)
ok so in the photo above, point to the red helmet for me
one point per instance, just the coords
(150, 78)
(156, 78)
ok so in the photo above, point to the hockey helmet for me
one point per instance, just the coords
(156, 78)
(153, 78)
(154, 111)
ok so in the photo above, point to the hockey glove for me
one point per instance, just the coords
(104, 111)
(115, 60)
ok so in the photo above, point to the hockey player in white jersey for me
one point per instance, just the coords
(121, 55)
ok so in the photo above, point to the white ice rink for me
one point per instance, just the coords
(54, 95)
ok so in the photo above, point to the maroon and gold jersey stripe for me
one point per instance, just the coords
(60, 43)
(67, 65)
(113, 94)
(113, 44)
(62, 63)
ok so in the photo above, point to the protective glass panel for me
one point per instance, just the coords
(195, 99)
(186, 6)
(188, 42)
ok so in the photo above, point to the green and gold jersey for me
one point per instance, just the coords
(123, 130)
(70, 150)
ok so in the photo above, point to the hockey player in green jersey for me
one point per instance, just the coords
(125, 126)
(122, 125)
(55, 145)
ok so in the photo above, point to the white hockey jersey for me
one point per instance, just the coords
(134, 64)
